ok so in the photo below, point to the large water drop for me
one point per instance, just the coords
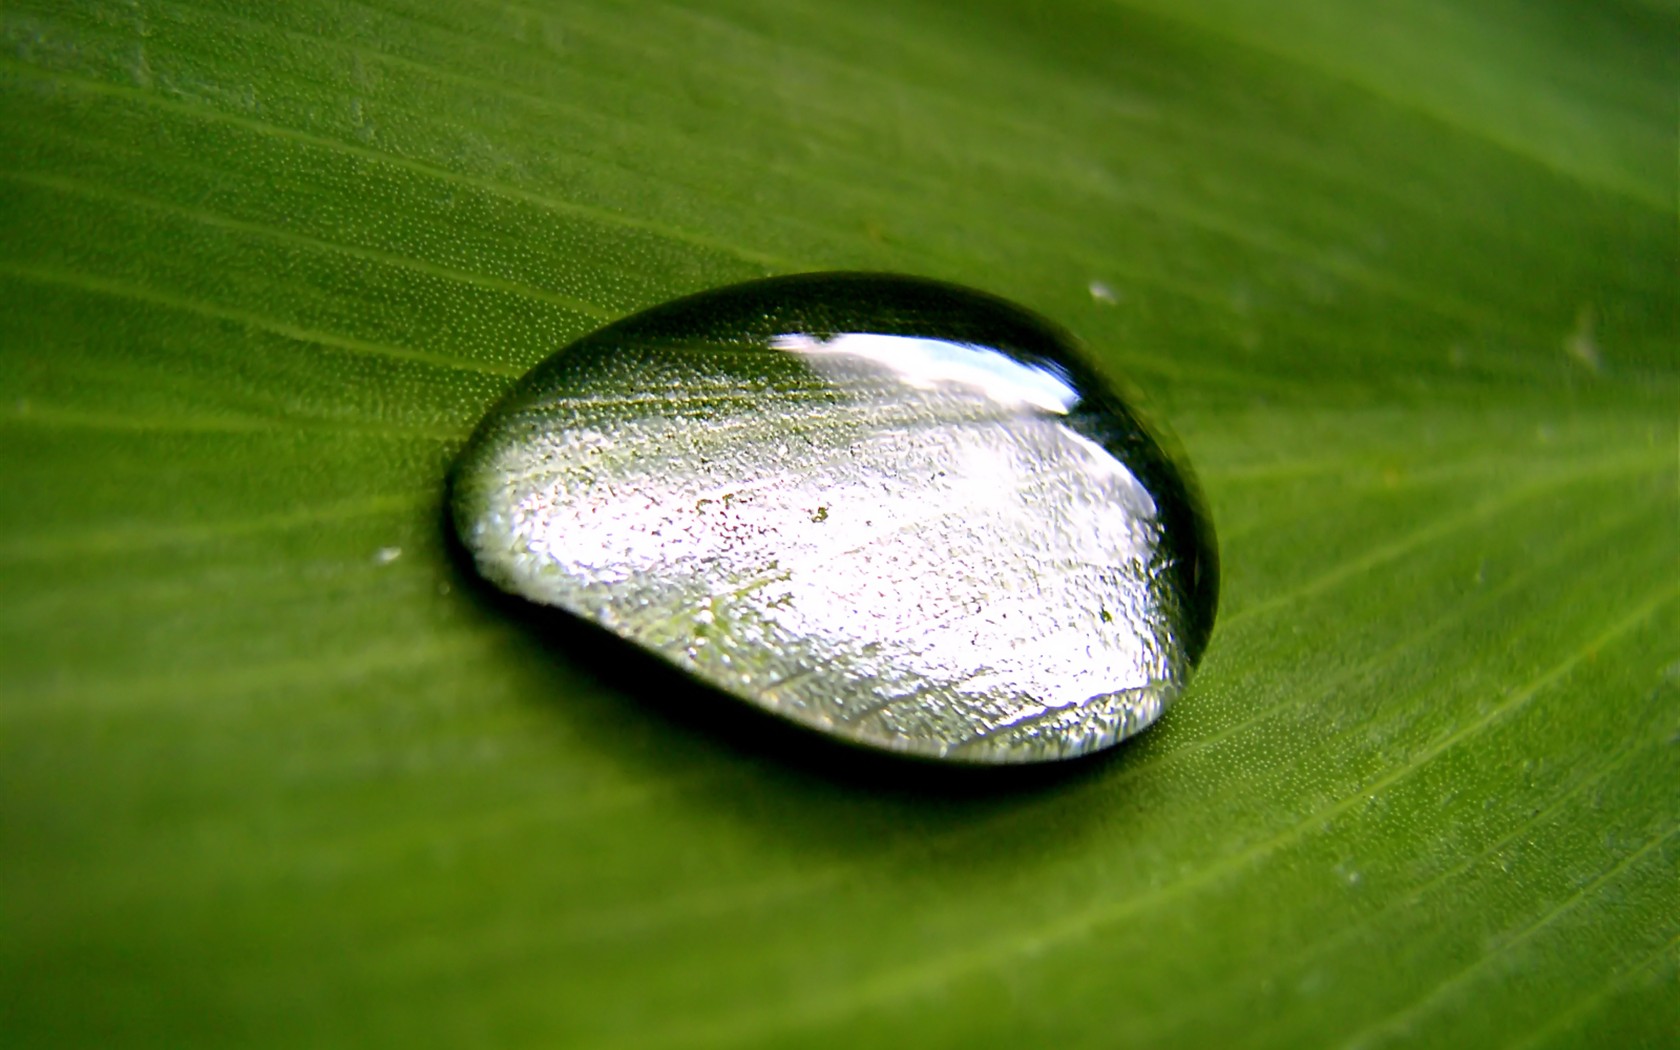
(897, 511)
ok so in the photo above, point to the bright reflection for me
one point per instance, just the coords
(927, 363)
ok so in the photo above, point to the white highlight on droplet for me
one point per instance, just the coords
(924, 364)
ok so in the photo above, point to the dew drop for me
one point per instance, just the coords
(896, 511)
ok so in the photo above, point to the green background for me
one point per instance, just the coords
(1401, 275)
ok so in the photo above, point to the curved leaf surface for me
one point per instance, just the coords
(273, 772)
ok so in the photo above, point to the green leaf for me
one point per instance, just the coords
(272, 772)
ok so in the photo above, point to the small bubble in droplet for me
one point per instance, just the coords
(997, 491)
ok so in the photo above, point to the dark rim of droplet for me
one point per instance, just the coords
(826, 304)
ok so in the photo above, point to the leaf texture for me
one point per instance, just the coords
(274, 772)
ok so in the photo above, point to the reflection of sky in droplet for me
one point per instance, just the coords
(926, 363)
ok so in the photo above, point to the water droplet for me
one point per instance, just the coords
(897, 511)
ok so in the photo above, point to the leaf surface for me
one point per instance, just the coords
(273, 772)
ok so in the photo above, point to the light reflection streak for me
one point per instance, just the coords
(924, 364)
